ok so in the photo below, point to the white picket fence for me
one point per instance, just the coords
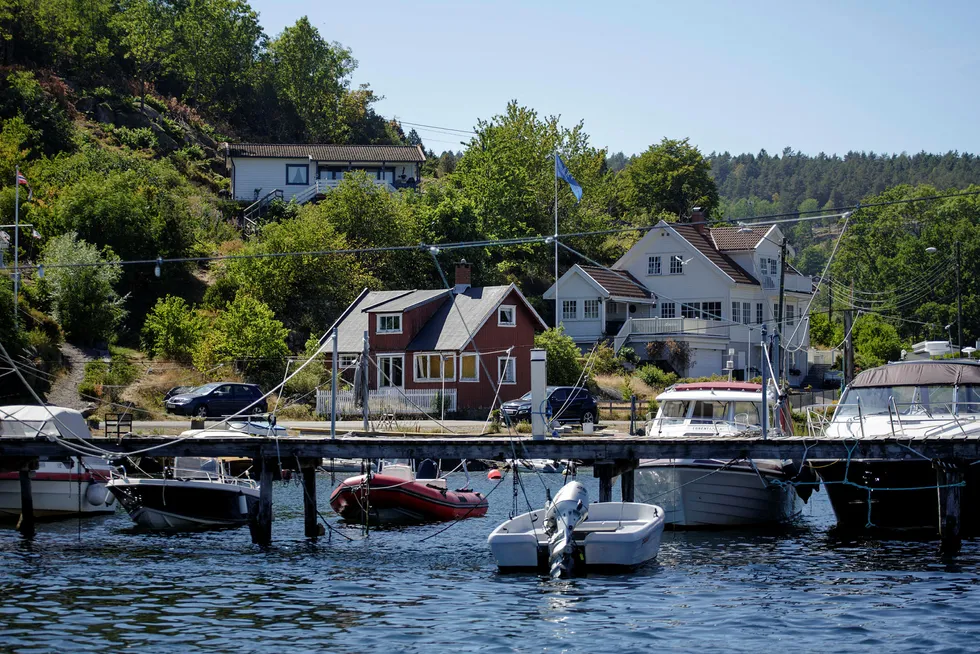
(412, 401)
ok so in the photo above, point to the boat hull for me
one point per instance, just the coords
(384, 499)
(899, 510)
(615, 535)
(58, 491)
(704, 494)
(167, 504)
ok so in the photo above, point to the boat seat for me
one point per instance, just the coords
(592, 527)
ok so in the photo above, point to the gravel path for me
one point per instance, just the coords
(64, 390)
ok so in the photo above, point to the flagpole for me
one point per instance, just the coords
(557, 303)
(16, 239)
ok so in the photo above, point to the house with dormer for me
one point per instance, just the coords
(460, 344)
(709, 289)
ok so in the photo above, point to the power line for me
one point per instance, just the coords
(447, 129)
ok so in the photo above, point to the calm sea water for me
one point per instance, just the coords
(101, 585)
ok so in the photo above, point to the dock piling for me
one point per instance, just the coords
(310, 526)
(261, 525)
(26, 523)
(626, 485)
(949, 476)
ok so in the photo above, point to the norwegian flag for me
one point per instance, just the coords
(23, 180)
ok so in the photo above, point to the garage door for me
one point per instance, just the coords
(705, 362)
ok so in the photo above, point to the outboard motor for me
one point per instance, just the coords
(562, 515)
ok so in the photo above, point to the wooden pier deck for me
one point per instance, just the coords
(611, 456)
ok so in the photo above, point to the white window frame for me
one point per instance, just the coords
(504, 308)
(585, 310)
(346, 360)
(382, 379)
(746, 313)
(676, 259)
(736, 311)
(654, 265)
(790, 316)
(511, 363)
(466, 355)
(381, 316)
(564, 313)
(442, 357)
(760, 312)
(673, 309)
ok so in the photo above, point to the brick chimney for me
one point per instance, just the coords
(463, 276)
(698, 220)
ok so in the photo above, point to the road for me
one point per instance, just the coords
(295, 426)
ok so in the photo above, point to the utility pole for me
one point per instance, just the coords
(782, 292)
(848, 346)
(959, 303)
(16, 239)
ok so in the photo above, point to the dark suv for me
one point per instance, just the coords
(217, 399)
(568, 404)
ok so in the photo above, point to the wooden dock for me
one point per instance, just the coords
(611, 456)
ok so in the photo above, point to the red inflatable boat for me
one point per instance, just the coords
(395, 496)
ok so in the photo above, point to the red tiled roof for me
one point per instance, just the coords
(324, 152)
(615, 284)
(733, 238)
(706, 246)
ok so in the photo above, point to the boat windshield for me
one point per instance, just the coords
(910, 400)
(709, 411)
(674, 411)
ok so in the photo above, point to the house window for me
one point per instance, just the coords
(668, 310)
(390, 323)
(790, 314)
(590, 310)
(469, 368)
(569, 309)
(759, 318)
(506, 315)
(297, 175)
(433, 366)
(676, 265)
(711, 310)
(736, 312)
(746, 313)
(348, 360)
(774, 266)
(691, 310)
(653, 265)
(506, 370)
(391, 371)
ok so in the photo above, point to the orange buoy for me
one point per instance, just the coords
(494, 474)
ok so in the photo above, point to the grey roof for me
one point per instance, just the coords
(620, 283)
(919, 373)
(352, 325)
(327, 152)
(449, 328)
(409, 300)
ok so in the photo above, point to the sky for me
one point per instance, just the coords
(828, 76)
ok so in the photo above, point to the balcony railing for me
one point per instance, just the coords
(640, 328)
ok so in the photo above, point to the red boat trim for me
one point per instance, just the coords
(431, 500)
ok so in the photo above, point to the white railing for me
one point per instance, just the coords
(643, 327)
(412, 401)
(821, 357)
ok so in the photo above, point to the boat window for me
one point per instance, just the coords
(674, 409)
(710, 411)
(968, 399)
(747, 413)
(908, 400)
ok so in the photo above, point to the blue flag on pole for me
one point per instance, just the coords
(562, 173)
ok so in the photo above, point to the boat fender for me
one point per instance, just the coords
(494, 474)
(98, 495)
(242, 504)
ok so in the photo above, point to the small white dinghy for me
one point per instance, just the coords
(570, 534)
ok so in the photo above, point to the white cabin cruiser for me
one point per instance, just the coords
(70, 486)
(710, 492)
(571, 534)
(903, 400)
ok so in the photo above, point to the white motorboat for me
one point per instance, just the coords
(714, 493)
(70, 486)
(546, 466)
(197, 493)
(571, 533)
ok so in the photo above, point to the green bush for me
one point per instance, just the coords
(106, 380)
(564, 366)
(137, 138)
(604, 361)
(654, 376)
(172, 329)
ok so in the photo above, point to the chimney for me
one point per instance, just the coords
(697, 219)
(463, 276)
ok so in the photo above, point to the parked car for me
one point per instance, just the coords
(568, 404)
(178, 390)
(217, 399)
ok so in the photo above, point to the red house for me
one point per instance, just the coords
(456, 344)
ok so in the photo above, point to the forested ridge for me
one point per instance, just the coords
(114, 111)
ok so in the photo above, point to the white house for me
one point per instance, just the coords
(301, 171)
(710, 288)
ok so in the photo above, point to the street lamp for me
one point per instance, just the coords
(959, 299)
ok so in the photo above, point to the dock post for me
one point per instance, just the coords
(626, 480)
(261, 526)
(949, 477)
(26, 523)
(604, 471)
(310, 525)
